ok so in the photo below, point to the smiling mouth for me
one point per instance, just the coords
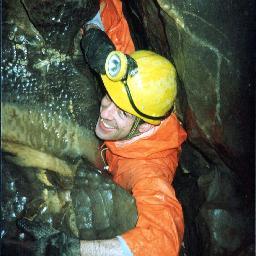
(106, 125)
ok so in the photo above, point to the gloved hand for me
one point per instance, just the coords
(96, 46)
(49, 241)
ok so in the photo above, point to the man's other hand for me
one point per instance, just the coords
(96, 46)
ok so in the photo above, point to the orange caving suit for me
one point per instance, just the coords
(116, 26)
(145, 165)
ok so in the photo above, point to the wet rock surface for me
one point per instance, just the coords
(49, 108)
(59, 21)
(88, 206)
(42, 74)
(218, 214)
(53, 89)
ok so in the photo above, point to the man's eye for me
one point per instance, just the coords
(123, 113)
(107, 97)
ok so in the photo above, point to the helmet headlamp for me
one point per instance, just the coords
(116, 66)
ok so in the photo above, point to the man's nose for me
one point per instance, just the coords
(107, 112)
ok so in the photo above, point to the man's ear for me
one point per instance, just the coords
(145, 127)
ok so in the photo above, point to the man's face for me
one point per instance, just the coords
(113, 123)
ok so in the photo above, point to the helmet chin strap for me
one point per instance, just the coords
(134, 130)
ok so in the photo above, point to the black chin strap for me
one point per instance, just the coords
(134, 130)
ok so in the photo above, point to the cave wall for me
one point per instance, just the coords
(49, 109)
(211, 45)
(212, 48)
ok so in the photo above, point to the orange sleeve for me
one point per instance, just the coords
(116, 26)
(160, 227)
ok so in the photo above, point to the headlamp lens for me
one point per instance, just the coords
(114, 65)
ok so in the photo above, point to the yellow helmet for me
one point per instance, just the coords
(142, 84)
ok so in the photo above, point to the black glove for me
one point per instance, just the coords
(48, 241)
(96, 46)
